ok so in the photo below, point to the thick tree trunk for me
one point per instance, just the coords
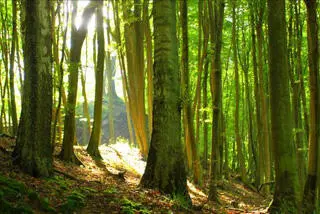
(33, 149)
(165, 168)
(286, 186)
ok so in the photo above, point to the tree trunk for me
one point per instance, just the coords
(205, 114)
(165, 168)
(259, 157)
(123, 68)
(111, 91)
(12, 56)
(216, 14)
(264, 143)
(312, 185)
(133, 34)
(148, 37)
(187, 113)
(77, 39)
(286, 186)
(237, 94)
(93, 146)
(33, 149)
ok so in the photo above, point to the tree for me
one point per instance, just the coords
(286, 183)
(93, 147)
(189, 137)
(33, 149)
(165, 168)
(133, 33)
(313, 180)
(12, 54)
(237, 89)
(216, 14)
(77, 39)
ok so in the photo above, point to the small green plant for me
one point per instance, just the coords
(43, 203)
(74, 201)
(11, 196)
(59, 181)
(180, 202)
(131, 207)
(111, 190)
(88, 190)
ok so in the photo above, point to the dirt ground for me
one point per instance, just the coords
(111, 185)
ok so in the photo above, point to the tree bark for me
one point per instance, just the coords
(33, 148)
(312, 185)
(133, 33)
(165, 168)
(187, 113)
(12, 56)
(286, 186)
(216, 14)
(93, 146)
(237, 94)
(77, 39)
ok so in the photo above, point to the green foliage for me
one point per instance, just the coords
(111, 190)
(180, 202)
(43, 203)
(74, 202)
(63, 183)
(11, 185)
(11, 192)
(88, 190)
(12, 195)
(131, 207)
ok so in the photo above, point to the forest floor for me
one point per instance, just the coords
(110, 185)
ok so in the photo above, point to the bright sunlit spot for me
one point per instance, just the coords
(87, 63)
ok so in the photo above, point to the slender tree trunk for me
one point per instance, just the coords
(111, 92)
(259, 157)
(264, 143)
(133, 33)
(85, 102)
(123, 68)
(95, 139)
(148, 37)
(57, 116)
(205, 114)
(77, 39)
(12, 56)
(216, 14)
(244, 62)
(187, 113)
(237, 95)
(312, 185)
